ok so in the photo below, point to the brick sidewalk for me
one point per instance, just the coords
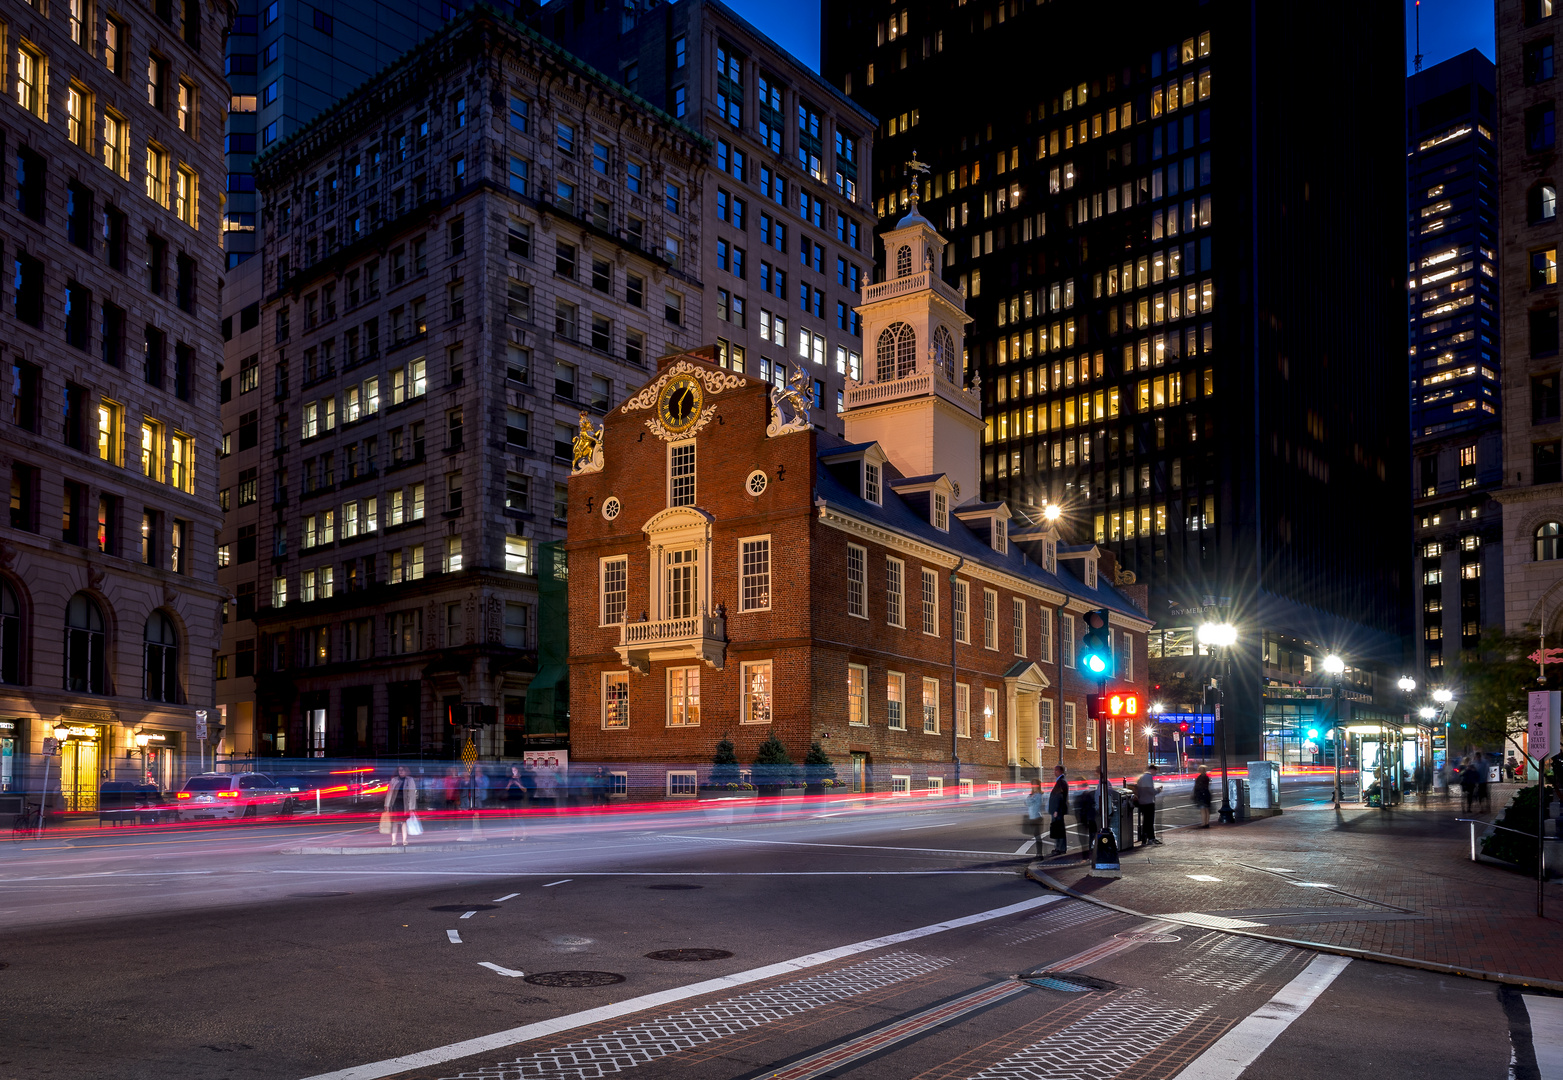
(1397, 882)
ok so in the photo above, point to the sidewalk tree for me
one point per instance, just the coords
(773, 766)
(725, 764)
(1491, 687)
(817, 766)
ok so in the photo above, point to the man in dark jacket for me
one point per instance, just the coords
(1085, 816)
(1057, 807)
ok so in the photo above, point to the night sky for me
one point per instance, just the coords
(1449, 27)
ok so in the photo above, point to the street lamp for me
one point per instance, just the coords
(1221, 636)
(1334, 666)
(1150, 744)
(1052, 512)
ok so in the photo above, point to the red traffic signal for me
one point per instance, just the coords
(1123, 704)
(1184, 727)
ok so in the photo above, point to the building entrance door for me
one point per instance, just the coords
(1028, 746)
(859, 773)
(80, 757)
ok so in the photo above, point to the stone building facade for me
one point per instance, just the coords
(736, 573)
(110, 216)
(461, 258)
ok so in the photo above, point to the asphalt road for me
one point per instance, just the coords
(879, 942)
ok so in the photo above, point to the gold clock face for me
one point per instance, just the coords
(679, 403)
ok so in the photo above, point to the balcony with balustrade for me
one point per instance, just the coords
(700, 637)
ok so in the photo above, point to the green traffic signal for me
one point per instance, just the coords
(1096, 645)
(1095, 664)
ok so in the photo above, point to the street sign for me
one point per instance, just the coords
(50, 745)
(1542, 730)
(200, 724)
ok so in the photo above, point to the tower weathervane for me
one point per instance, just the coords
(917, 169)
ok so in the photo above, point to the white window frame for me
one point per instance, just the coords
(940, 504)
(990, 713)
(990, 619)
(679, 778)
(900, 786)
(695, 476)
(930, 601)
(1066, 639)
(744, 715)
(895, 592)
(1128, 657)
(602, 588)
(862, 671)
(1045, 726)
(743, 541)
(967, 790)
(963, 710)
(960, 606)
(1090, 732)
(621, 678)
(1018, 624)
(933, 787)
(1045, 636)
(857, 585)
(995, 789)
(667, 697)
(1071, 735)
(895, 679)
(873, 478)
(618, 784)
(1109, 735)
(923, 706)
(1128, 736)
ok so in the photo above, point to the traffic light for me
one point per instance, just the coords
(1096, 647)
(1124, 704)
(1313, 733)
(1183, 727)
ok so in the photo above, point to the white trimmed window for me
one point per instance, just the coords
(615, 699)
(1045, 721)
(895, 700)
(968, 789)
(930, 706)
(1018, 624)
(682, 599)
(995, 789)
(1107, 734)
(1045, 635)
(990, 713)
(1128, 657)
(941, 511)
(755, 679)
(1090, 734)
(857, 695)
(683, 783)
(1069, 725)
(935, 786)
(618, 783)
(857, 585)
(958, 593)
(615, 589)
(1066, 638)
(895, 592)
(871, 482)
(930, 602)
(683, 697)
(754, 586)
(962, 711)
(990, 619)
(900, 785)
(681, 474)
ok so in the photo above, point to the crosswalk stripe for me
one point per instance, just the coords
(1546, 1034)
(1239, 1048)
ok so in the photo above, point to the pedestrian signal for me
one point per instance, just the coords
(1124, 704)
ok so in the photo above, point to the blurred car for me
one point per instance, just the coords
(211, 796)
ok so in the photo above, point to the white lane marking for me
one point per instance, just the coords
(1279, 870)
(1312, 885)
(469, 914)
(501, 970)
(660, 873)
(565, 881)
(498, 1040)
(1240, 1047)
(455, 938)
(1202, 877)
(1021, 850)
(508, 896)
(1546, 1034)
(935, 825)
(849, 847)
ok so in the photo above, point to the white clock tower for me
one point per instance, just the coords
(913, 400)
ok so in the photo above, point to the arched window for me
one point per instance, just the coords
(944, 353)
(1543, 202)
(162, 659)
(903, 261)
(10, 635)
(85, 645)
(897, 352)
(1548, 537)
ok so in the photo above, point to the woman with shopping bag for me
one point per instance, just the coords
(401, 804)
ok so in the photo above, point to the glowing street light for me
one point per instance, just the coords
(1052, 512)
(1442, 696)
(1407, 683)
(1427, 712)
(1221, 636)
(1334, 665)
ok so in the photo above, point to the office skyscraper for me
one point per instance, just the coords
(1184, 263)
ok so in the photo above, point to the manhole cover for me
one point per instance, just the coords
(1067, 981)
(464, 907)
(675, 885)
(1148, 936)
(688, 954)
(315, 894)
(574, 978)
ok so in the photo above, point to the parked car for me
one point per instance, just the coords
(211, 796)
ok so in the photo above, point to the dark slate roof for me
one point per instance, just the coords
(913, 481)
(960, 540)
(1074, 549)
(976, 507)
(842, 449)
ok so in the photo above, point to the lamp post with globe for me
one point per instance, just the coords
(1334, 665)
(1406, 684)
(1220, 637)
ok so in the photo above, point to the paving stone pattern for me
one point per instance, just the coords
(1228, 963)
(623, 1049)
(1100, 1046)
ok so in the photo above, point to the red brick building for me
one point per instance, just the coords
(736, 573)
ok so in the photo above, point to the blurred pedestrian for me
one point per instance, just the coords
(401, 801)
(480, 784)
(1085, 817)
(452, 789)
(1057, 809)
(1202, 796)
(1145, 791)
(515, 790)
(1032, 823)
(1468, 785)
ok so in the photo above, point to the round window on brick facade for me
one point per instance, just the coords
(611, 507)
(756, 483)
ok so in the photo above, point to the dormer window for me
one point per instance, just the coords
(1090, 573)
(871, 483)
(941, 511)
(1001, 536)
(1050, 556)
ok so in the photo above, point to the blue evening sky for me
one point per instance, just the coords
(1449, 27)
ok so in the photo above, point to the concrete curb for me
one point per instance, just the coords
(1035, 873)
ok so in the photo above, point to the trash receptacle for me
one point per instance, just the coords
(1124, 819)
(1237, 795)
(1264, 788)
